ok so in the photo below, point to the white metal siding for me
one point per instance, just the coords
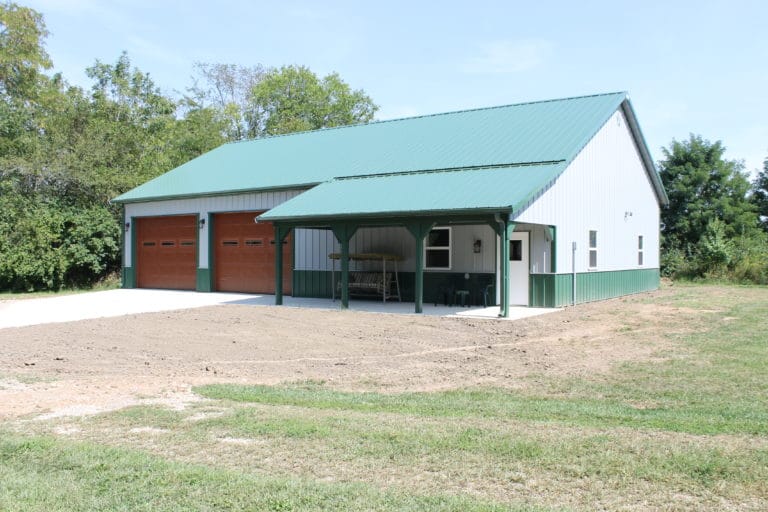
(203, 206)
(606, 188)
(314, 245)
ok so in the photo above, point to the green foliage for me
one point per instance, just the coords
(760, 195)
(703, 186)
(225, 89)
(710, 227)
(293, 98)
(715, 250)
(22, 56)
(47, 246)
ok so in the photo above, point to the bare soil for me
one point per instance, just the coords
(96, 365)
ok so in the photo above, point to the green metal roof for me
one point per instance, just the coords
(545, 131)
(431, 192)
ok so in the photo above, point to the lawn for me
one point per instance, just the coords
(686, 429)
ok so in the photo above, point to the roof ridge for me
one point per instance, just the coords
(437, 114)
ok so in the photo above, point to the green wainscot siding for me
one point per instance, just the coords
(204, 281)
(437, 285)
(128, 277)
(555, 290)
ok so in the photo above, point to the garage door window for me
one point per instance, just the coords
(167, 243)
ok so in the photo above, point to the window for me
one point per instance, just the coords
(229, 243)
(437, 249)
(640, 250)
(256, 242)
(515, 250)
(187, 243)
(593, 249)
(167, 243)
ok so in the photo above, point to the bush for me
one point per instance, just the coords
(742, 259)
(45, 246)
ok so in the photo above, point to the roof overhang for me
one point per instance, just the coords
(645, 154)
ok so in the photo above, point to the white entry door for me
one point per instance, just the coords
(519, 268)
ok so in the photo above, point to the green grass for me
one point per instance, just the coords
(687, 431)
(109, 283)
(42, 474)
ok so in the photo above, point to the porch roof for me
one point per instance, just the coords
(437, 193)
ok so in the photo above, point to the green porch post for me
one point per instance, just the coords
(280, 233)
(506, 230)
(343, 233)
(419, 230)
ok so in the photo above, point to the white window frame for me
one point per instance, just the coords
(640, 250)
(448, 248)
(591, 249)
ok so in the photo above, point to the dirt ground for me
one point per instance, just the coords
(97, 365)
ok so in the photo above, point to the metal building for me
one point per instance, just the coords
(540, 204)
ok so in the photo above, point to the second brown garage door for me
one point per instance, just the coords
(244, 254)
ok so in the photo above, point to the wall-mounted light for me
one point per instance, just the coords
(202, 223)
(477, 246)
(127, 226)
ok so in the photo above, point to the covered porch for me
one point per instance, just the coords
(488, 239)
(419, 203)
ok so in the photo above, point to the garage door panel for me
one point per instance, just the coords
(244, 255)
(166, 251)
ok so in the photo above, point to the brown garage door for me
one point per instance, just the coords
(244, 255)
(166, 248)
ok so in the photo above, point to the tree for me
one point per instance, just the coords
(760, 194)
(226, 89)
(293, 98)
(702, 186)
(22, 56)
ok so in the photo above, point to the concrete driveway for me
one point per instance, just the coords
(83, 306)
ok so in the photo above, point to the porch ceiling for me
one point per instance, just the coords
(454, 193)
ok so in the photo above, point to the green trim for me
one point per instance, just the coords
(128, 278)
(132, 280)
(211, 252)
(234, 192)
(398, 218)
(203, 280)
(552, 248)
(554, 290)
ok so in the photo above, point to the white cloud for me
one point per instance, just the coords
(508, 56)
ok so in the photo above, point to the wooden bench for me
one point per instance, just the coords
(369, 283)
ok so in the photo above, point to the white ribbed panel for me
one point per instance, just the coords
(203, 206)
(314, 245)
(604, 184)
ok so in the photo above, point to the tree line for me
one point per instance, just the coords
(65, 151)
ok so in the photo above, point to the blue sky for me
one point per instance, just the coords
(689, 66)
